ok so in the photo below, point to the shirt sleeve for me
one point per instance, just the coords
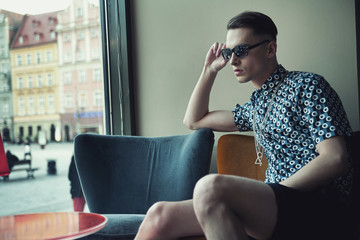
(322, 109)
(243, 117)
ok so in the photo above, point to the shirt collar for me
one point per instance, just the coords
(271, 82)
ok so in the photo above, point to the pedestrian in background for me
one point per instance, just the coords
(11, 159)
(75, 188)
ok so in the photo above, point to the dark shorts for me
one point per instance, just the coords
(311, 215)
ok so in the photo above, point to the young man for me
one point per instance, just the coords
(299, 124)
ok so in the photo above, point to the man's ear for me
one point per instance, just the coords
(271, 49)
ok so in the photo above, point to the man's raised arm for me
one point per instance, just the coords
(197, 113)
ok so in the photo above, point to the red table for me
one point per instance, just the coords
(56, 225)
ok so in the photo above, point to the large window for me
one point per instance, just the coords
(58, 92)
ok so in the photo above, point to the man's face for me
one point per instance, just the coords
(253, 66)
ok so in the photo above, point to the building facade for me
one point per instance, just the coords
(9, 23)
(34, 69)
(80, 69)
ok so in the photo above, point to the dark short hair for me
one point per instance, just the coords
(259, 22)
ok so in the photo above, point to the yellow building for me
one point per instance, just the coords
(34, 61)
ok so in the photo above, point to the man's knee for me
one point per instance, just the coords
(155, 222)
(208, 186)
(208, 193)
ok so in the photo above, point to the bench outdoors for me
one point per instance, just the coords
(16, 167)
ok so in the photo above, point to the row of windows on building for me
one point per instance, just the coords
(36, 104)
(37, 37)
(29, 58)
(82, 101)
(41, 104)
(38, 81)
(32, 84)
(68, 78)
(40, 108)
(80, 34)
(67, 36)
(80, 55)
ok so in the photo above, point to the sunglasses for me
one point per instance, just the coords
(240, 50)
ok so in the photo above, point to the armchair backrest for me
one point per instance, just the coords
(127, 174)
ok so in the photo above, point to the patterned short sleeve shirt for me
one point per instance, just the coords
(304, 111)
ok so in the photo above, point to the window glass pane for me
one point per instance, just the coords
(28, 59)
(49, 79)
(30, 82)
(38, 57)
(51, 89)
(19, 60)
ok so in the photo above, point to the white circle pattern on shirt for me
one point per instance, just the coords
(305, 111)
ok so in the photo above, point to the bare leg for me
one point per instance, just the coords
(229, 207)
(226, 207)
(169, 220)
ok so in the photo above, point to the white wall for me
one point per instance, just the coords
(171, 38)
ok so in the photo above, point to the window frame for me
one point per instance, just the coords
(117, 67)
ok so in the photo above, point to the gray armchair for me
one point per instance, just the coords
(122, 176)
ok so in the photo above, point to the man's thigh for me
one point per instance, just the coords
(252, 201)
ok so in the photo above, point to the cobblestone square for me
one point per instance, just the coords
(43, 193)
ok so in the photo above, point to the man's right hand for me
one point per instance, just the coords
(214, 61)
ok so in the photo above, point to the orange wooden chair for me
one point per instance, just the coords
(236, 155)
